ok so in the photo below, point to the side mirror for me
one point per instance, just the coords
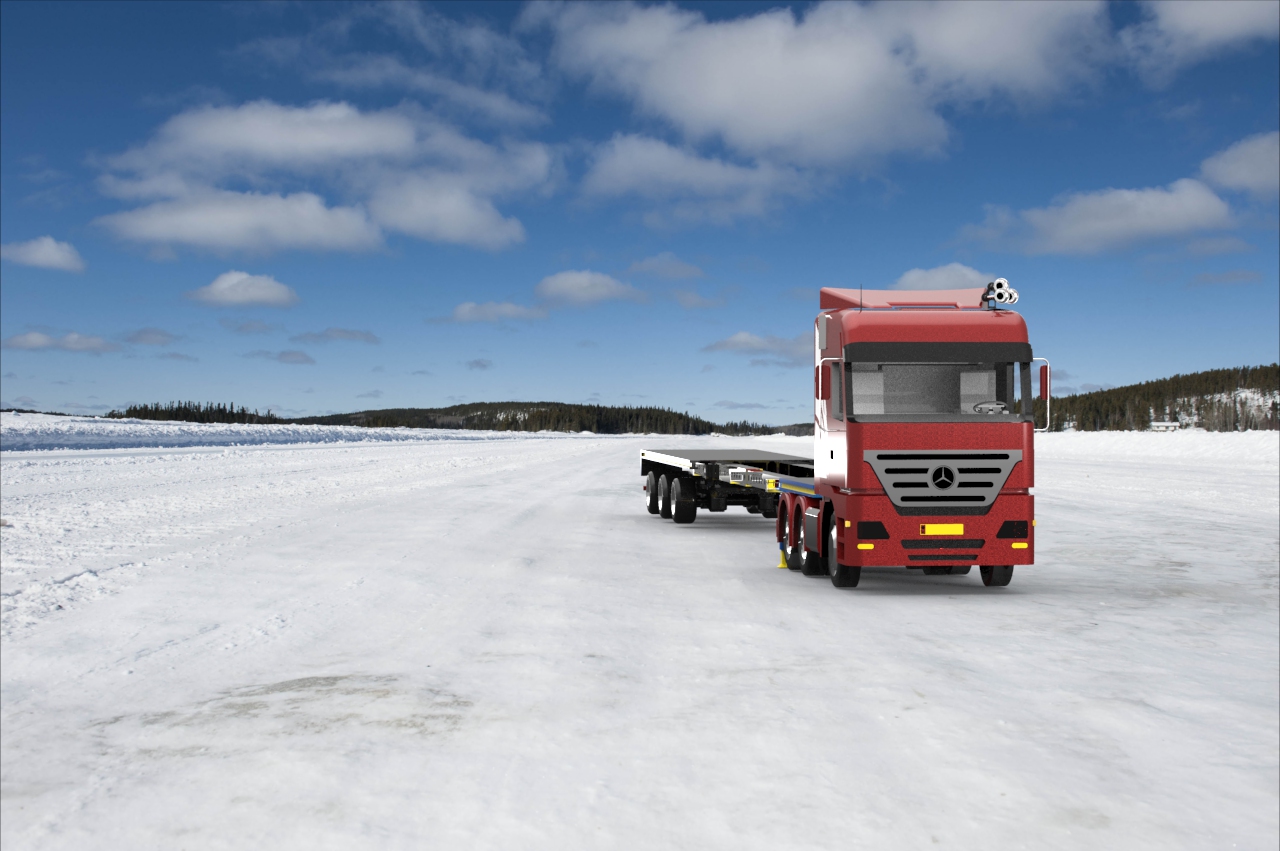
(1044, 382)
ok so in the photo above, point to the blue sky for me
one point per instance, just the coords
(331, 207)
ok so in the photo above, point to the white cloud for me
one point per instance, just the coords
(214, 140)
(841, 83)
(699, 188)
(775, 351)
(666, 265)
(480, 364)
(291, 357)
(224, 221)
(399, 169)
(1108, 219)
(236, 288)
(1252, 164)
(691, 299)
(151, 337)
(583, 287)
(73, 342)
(44, 252)
(444, 209)
(372, 394)
(1090, 222)
(390, 71)
(953, 276)
(1177, 34)
(330, 335)
(494, 311)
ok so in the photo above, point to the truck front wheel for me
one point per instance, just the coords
(997, 576)
(842, 576)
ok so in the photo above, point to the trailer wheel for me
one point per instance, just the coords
(664, 497)
(997, 576)
(651, 493)
(789, 550)
(768, 506)
(684, 501)
(842, 576)
(811, 563)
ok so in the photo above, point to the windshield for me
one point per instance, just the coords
(934, 391)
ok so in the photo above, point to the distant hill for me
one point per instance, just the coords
(1241, 399)
(549, 416)
(493, 416)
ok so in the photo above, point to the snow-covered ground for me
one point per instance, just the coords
(487, 643)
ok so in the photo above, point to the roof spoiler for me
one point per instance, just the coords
(832, 298)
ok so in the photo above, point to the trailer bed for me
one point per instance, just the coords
(773, 472)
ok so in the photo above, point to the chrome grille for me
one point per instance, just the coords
(933, 482)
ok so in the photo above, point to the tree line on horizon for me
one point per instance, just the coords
(1211, 399)
(489, 416)
(195, 412)
(547, 416)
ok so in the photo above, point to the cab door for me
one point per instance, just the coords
(830, 450)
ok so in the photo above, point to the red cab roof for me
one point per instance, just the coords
(920, 316)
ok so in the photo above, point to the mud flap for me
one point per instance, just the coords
(813, 530)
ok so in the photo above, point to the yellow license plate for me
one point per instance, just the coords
(941, 528)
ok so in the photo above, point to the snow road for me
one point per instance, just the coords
(489, 644)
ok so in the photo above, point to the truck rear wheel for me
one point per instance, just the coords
(789, 550)
(811, 563)
(997, 576)
(842, 576)
(684, 501)
(651, 493)
(664, 497)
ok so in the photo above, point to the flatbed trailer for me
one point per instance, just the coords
(923, 443)
(714, 480)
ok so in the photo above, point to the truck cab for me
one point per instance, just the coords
(923, 436)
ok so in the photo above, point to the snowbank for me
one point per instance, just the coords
(21, 432)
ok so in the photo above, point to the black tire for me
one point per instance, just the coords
(790, 553)
(651, 493)
(664, 497)
(961, 570)
(769, 506)
(842, 576)
(684, 501)
(811, 563)
(996, 576)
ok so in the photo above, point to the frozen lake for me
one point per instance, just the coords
(484, 641)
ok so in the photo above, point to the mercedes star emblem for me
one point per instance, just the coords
(943, 478)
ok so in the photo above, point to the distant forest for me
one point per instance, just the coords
(194, 412)
(550, 416)
(492, 416)
(1240, 399)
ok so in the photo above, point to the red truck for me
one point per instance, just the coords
(923, 443)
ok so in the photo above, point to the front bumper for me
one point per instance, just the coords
(907, 544)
